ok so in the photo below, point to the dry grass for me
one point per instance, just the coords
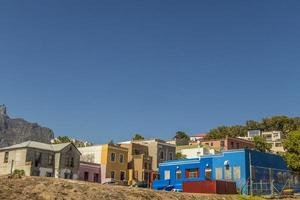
(38, 188)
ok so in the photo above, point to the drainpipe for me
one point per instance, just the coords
(11, 167)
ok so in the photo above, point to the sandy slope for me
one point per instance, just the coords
(32, 188)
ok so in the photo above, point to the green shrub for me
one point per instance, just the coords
(18, 173)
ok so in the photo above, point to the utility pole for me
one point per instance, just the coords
(250, 170)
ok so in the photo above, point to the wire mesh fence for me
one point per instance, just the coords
(269, 181)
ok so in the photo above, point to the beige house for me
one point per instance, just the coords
(272, 137)
(159, 150)
(40, 159)
(139, 162)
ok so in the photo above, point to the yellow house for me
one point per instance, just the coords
(113, 159)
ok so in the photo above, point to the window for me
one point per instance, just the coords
(113, 157)
(37, 159)
(50, 159)
(237, 145)
(145, 165)
(121, 158)
(122, 176)
(222, 143)
(146, 177)
(218, 173)
(96, 177)
(232, 144)
(48, 174)
(136, 175)
(72, 162)
(86, 176)
(68, 176)
(192, 173)
(167, 174)
(227, 172)
(112, 174)
(161, 155)
(136, 152)
(207, 173)
(211, 144)
(178, 174)
(278, 145)
(237, 172)
(6, 157)
(171, 156)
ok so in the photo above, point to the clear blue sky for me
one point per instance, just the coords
(101, 70)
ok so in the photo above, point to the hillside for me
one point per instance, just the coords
(41, 188)
(14, 131)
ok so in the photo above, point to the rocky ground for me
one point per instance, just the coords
(37, 188)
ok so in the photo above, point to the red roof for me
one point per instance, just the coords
(199, 135)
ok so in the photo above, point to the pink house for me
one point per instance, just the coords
(90, 172)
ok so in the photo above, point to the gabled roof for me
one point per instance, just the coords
(37, 145)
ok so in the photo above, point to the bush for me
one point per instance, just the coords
(18, 173)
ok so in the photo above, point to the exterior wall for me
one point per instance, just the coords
(197, 137)
(178, 142)
(228, 143)
(142, 168)
(137, 160)
(233, 165)
(116, 166)
(168, 171)
(16, 160)
(40, 168)
(196, 152)
(66, 169)
(155, 148)
(40, 162)
(91, 154)
(92, 171)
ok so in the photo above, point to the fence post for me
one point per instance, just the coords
(261, 187)
(250, 171)
(272, 187)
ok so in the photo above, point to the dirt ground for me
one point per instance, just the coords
(38, 188)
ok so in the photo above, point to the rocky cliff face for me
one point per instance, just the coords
(14, 131)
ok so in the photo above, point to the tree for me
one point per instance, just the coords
(62, 139)
(292, 148)
(275, 123)
(179, 155)
(181, 135)
(137, 137)
(260, 144)
(66, 139)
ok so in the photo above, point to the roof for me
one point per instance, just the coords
(199, 135)
(37, 145)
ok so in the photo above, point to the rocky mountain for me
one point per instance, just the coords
(14, 131)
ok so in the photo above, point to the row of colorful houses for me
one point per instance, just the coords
(152, 162)
(125, 163)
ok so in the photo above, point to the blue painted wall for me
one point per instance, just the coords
(181, 165)
(262, 163)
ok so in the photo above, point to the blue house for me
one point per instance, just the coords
(243, 166)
